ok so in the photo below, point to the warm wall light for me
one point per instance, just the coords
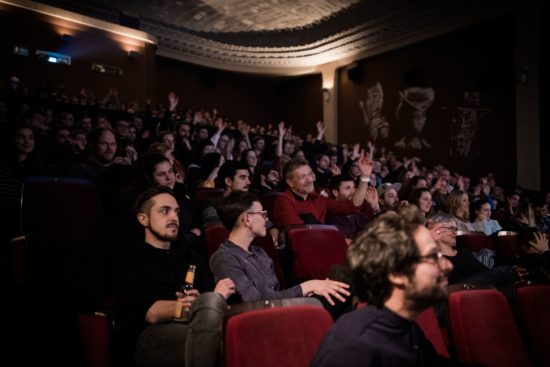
(326, 94)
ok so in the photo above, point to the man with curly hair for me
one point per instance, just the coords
(399, 271)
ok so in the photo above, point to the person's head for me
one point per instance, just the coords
(24, 140)
(223, 142)
(103, 144)
(183, 130)
(396, 254)
(323, 162)
(354, 170)
(417, 182)
(62, 136)
(289, 148)
(167, 138)
(137, 122)
(270, 176)
(80, 140)
(250, 158)
(513, 200)
(387, 195)
(157, 211)
(155, 169)
(234, 176)
(259, 143)
(342, 187)
(202, 133)
(459, 205)
(122, 129)
(482, 210)
(299, 176)
(67, 119)
(422, 198)
(241, 209)
(447, 229)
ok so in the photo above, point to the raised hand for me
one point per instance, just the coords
(365, 165)
(173, 99)
(282, 129)
(320, 125)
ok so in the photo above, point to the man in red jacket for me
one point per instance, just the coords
(300, 204)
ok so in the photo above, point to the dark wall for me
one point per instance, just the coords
(473, 134)
(89, 45)
(254, 99)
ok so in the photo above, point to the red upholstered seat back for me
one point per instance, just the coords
(484, 331)
(475, 241)
(215, 235)
(507, 246)
(54, 207)
(533, 304)
(315, 251)
(95, 335)
(275, 337)
(268, 202)
(427, 321)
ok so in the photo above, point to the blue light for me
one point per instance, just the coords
(52, 59)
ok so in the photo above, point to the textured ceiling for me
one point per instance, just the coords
(273, 35)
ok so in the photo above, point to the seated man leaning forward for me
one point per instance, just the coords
(250, 267)
(398, 269)
(300, 204)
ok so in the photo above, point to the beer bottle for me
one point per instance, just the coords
(181, 314)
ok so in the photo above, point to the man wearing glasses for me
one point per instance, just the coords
(399, 271)
(250, 267)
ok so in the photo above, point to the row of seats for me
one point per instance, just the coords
(482, 325)
(504, 244)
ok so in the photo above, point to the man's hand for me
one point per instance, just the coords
(186, 299)
(326, 288)
(225, 287)
(365, 165)
(320, 125)
(282, 129)
(372, 198)
(540, 243)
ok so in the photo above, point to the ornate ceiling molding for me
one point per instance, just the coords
(402, 26)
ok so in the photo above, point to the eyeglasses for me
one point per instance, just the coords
(453, 229)
(263, 213)
(433, 258)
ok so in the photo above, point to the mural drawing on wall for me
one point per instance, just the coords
(464, 124)
(377, 125)
(411, 114)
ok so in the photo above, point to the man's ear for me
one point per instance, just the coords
(398, 280)
(143, 219)
(228, 182)
(335, 193)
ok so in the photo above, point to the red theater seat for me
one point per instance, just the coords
(315, 251)
(484, 331)
(475, 241)
(533, 305)
(275, 337)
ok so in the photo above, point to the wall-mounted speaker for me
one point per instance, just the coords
(355, 72)
(415, 77)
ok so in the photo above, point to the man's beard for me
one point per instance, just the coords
(420, 299)
(163, 237)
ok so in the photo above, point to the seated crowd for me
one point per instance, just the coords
(150, 165)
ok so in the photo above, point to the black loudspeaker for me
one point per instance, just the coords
(128, 20)
(355, 74)
(415, 77)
